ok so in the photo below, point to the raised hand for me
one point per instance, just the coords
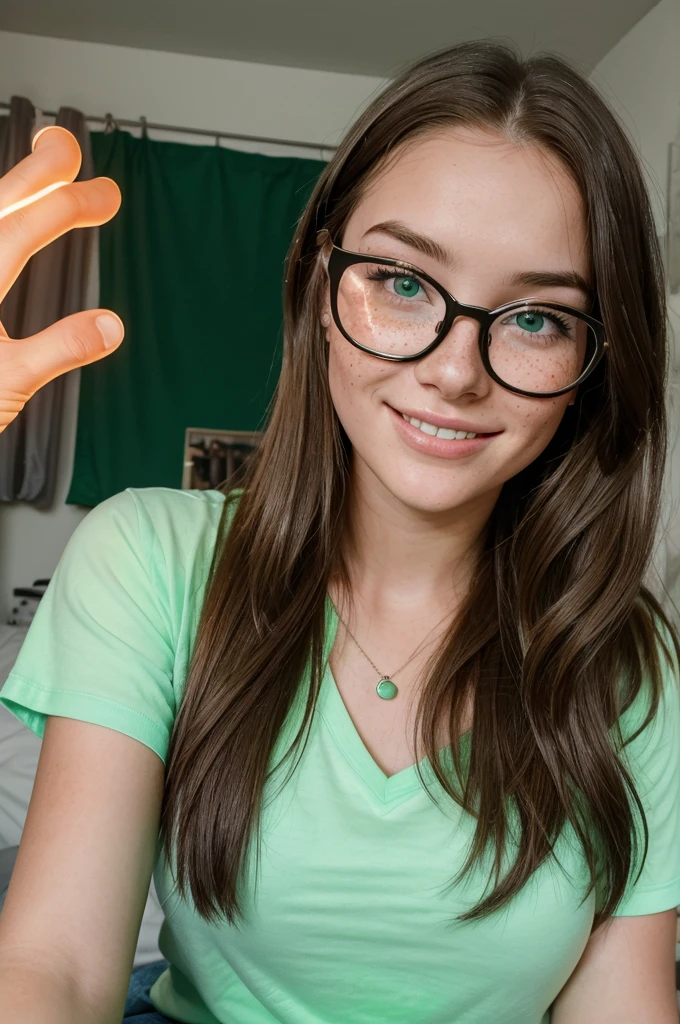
(39, 201)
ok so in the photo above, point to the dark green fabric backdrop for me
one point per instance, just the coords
(193, 263)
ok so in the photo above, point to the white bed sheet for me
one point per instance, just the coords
(19, 752)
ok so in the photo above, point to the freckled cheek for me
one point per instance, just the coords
(352, 374)
(534, 423)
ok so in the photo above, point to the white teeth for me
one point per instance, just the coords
(445, 432)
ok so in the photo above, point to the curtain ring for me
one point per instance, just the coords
(142, 121)
(217, 141)
(109, 125)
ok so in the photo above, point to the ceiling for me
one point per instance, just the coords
(368, 37)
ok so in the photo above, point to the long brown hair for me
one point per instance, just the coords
(558, 633)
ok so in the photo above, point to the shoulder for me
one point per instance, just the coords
(151, 545)
(180, 518)
(174, 504)
(164, 507)
(150, 522)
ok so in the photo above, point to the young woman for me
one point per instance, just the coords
(396, 719)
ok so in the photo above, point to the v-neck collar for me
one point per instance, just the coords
(388, 789)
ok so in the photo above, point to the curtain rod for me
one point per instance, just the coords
(110, 120)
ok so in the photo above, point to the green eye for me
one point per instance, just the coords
(530, 321)
(407, 287)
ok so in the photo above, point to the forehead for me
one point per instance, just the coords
(481, 195)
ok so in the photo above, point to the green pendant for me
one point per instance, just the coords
(386, 689)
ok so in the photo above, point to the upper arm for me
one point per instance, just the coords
(78, 889)
(626, 975)
(101, 672)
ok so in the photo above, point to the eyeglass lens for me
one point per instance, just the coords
(394, 312)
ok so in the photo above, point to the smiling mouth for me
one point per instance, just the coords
(440, 442)
(443, 432)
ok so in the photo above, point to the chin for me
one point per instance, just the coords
(425, 496)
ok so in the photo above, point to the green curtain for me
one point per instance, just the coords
(193, 264)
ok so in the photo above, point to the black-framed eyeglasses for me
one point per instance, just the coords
(394, 310)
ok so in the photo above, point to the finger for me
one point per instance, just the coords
(75, 341)
(31, 228)
(56, 159)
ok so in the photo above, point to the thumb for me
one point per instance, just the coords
(76, 340)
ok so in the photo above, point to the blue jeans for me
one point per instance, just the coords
(138, 1007)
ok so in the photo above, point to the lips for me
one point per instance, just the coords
(439, 447)
(446, 422)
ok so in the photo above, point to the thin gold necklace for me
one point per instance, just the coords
(386, 688)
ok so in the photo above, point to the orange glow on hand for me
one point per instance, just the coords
(31, 199)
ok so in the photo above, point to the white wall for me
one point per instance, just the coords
(195, 92)
(641, 78)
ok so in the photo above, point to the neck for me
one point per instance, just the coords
(406, 562)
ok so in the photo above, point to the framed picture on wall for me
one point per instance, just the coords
(212, 456)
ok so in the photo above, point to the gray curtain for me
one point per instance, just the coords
(51, 286)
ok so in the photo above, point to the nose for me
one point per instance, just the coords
(455, 365)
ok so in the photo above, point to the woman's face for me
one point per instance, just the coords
(492, 213)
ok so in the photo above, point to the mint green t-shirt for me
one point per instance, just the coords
(352, 919)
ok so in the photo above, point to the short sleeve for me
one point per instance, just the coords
(653, 759)
(100, 646)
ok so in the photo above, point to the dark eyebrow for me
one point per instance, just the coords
(528, 278)
(422, 243)
(552, 279)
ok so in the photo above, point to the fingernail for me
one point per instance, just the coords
(110, 328)
(38, 134)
